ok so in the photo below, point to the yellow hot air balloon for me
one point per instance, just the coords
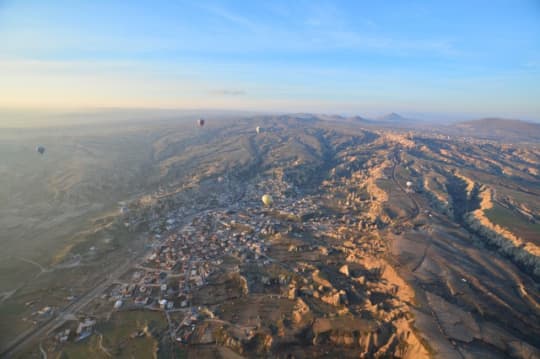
(267, 200)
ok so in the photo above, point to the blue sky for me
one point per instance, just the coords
(470, 58)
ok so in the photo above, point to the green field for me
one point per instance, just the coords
(116, 337)
(515, 223)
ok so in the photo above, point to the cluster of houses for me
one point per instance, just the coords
(184, 249)
(182, 256)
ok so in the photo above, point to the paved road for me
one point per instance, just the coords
(67, 312)
(62, 316)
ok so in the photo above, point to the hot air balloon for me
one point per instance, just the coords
(201, 122)
(258, 129)
(409, 184)
(267, 200)
(40, 149)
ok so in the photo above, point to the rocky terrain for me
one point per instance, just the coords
(380, 242)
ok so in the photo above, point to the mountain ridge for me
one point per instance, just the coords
(495, 127)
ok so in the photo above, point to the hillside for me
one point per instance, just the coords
(512, 130)
(378, 243)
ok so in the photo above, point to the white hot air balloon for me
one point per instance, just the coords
(258, 129)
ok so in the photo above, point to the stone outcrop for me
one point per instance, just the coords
(344, 270)
(524, 253)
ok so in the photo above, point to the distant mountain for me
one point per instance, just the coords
(356, 120)
(360, 119)
(392, 120)
(499, 128)
(393, 117)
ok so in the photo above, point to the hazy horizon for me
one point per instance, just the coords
(25, 118)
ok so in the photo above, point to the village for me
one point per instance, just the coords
(183, 256)
(185, 247)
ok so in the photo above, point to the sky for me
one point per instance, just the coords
(423, 58)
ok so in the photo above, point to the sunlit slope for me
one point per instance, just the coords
(447, 246)
(495, 190)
